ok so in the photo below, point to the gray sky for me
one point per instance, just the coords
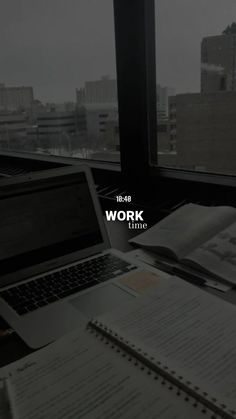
(55, 45)
(181, 25)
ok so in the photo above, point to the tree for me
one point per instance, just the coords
(230, 29)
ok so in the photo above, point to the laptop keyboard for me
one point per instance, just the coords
(55, 286)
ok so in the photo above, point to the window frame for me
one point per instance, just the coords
(134, 156)
(136, 85)
(136, 78)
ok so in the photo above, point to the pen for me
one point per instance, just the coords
(190, 277)
(10, 399)
(174, 270)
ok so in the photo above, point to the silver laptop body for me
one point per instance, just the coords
(48, 222)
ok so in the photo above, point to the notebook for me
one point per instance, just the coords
(170, 354)
(201, 237)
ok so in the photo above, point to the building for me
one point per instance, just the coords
(202, 126)
(163, 137)
(38, 108)
(97, 113)
(99, 91)
(53, 131)
(218, 63)
(96, 121)
(163, 94)
(12, 124)
(55, 123)
(15, 98)
(13, 130)
(203, 131)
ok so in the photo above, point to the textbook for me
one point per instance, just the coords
(201, 237)
(170, 354)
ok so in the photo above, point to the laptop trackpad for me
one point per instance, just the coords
(101, 300)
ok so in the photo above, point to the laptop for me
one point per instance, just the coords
(56, 264)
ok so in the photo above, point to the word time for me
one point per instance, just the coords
(134, 218)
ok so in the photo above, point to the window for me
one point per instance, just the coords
(58, 78)
(103, 115)
(196, 85)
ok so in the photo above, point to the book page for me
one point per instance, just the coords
(218, 255)
(79, 377)
(186, 228)
(187, 330)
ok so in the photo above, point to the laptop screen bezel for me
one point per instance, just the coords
(34, 181)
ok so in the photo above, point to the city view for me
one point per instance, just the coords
(196, 86)
(86, 128)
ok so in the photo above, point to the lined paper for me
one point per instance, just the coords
(186, 329)
(81, 377)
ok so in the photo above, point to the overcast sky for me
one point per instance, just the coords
(55, 45)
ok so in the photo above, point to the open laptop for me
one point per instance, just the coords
(56, 266)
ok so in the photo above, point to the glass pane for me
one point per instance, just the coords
(196, 76)
(58, 92)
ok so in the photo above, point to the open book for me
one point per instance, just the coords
(199, 236)
(168, 355)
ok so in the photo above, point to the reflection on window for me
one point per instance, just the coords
(54, 98)
(196, 94)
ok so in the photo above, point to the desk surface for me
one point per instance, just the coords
(13, 348)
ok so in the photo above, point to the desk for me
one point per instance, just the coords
(13, 348)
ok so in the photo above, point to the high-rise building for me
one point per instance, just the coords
(95, 120)
(163, 94)
(218, 63)
(97, 112)
(15, 98)
(202, 131)
(202, 126)
(98, 91)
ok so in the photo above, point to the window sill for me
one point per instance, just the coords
(193, 176)
(61, 161)
(156, 174)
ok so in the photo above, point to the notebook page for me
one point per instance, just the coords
(186, 228)
(81, 377)
(186, 329)
(3, 405)
(218, 255)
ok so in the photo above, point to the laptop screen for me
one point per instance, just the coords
(47, 221)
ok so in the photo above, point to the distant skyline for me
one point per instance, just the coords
(57, 45)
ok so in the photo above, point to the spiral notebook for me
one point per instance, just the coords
(185, 335)
(168, 355)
